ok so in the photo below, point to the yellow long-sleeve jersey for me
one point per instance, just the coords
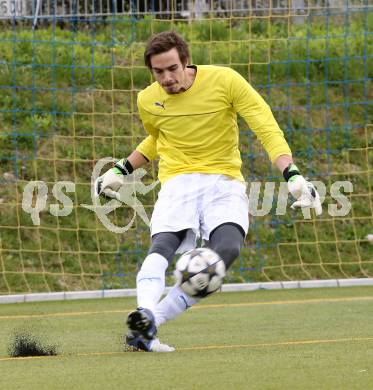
(197, 131)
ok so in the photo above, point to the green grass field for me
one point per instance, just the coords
(294, 339)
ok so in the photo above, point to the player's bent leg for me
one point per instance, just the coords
(227, 240)
(151, 277)
(150, 286)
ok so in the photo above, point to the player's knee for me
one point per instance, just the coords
(166, 244)
(163, 249)
(228, 251)
(227, 241)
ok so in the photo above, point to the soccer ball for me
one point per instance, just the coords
(199, 272)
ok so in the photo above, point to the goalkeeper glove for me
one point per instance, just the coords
(111, 181)
(302, 190)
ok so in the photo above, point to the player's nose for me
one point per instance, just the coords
(167, 78)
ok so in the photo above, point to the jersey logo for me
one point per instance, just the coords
(159, 104)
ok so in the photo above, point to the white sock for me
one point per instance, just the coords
(172, 305)
(150, 281)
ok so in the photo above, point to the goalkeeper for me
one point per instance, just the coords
(190, 115)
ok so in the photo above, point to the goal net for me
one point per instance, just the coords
(69, 75)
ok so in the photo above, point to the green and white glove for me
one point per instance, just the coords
(302, 190)
(110, 182)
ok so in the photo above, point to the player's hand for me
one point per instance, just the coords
(302, 190)
(111, 181)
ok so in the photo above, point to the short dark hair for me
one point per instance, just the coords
(165, 41)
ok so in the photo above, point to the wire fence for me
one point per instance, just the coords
(177, 9)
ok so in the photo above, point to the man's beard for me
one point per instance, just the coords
(174, 92)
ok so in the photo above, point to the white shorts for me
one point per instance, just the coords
(199, 202)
